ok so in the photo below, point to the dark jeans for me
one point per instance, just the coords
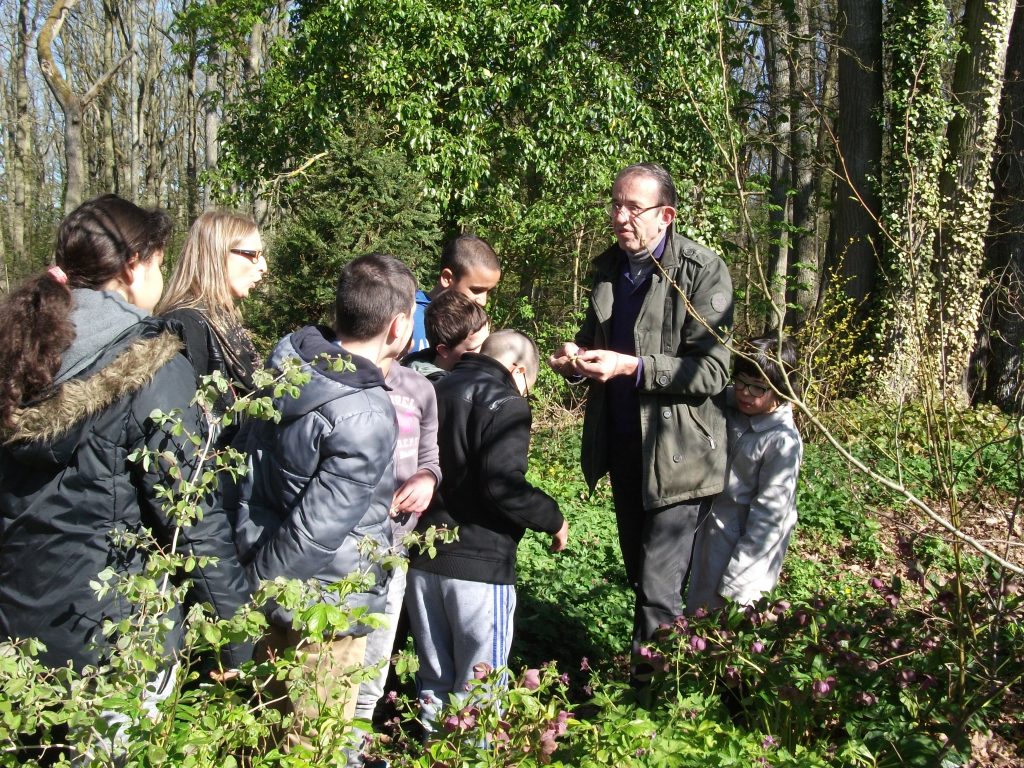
(656, 544)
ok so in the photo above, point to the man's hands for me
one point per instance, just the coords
(560, 539)
(563, 359)
(597, 364)
(414, 495)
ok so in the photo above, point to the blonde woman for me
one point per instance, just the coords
(221, 262)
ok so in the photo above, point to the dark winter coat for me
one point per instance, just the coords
(322, 479)
(484, 439)
(684, 368)
(69, 484)
(230, 352)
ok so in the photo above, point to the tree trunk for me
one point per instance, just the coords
(966, 188)
(1002, 335)
(855, 238)
(72, 104)
(917, 113)
(108, 156)
(191, 150)
(22, 139)
(780, 171)
(211, 101)
(803, 261)
(150, 128)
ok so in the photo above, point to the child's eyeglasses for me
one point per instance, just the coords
(754, 390)
(252, 256)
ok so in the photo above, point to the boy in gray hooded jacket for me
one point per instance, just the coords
(322, 479)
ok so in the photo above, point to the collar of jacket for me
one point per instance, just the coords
(610, 262)
(316, 340)
(762, 422)
(95, 390)
(488, 365)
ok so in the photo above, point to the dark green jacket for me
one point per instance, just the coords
(685, 370)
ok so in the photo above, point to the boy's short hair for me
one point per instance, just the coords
(762, 357)
(465, 252)
(372, 289)
(511, 346)
(451, 318)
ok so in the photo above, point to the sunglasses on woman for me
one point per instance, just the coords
(252, 256)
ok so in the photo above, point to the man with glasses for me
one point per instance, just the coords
(651, 348)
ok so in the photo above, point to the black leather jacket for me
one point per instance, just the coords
(484, 440)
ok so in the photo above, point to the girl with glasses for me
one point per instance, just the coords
(740, 545)
(220, 264)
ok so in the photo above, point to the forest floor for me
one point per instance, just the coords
(998, 525)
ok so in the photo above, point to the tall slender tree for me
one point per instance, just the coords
(966, 183)
(855, 237)
(72, 103)
(1001, 338)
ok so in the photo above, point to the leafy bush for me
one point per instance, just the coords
(352, 200)
(882, 683)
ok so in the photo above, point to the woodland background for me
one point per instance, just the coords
(858, 163)
(849, 145)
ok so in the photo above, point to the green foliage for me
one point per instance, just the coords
(868, 676)
(581, 593)
(833, 364)
(517, 114)
(831, 504)
(969, 451)
(353, 200)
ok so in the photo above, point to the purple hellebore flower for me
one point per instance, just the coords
(732, 676)
(563, 678)
(584, 664)
(757, 647)
(698, 643)
(391, 697)
(531, 679)
(820, 688)
(866, 699)
(768, 741)
(548, 744)
(481, 670)
(780, 607)
(877, 583)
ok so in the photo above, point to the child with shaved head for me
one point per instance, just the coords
(462, 600)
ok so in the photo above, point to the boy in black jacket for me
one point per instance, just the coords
(461, 602)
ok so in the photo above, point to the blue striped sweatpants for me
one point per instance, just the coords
(455, 625)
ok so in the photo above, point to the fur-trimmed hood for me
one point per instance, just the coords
(50, 429)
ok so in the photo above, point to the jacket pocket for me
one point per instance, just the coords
(702, 427)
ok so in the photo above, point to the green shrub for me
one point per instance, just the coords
(354, 199)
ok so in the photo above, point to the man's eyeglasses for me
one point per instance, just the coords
(754, 390)
(253, 256)
(613, 209)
